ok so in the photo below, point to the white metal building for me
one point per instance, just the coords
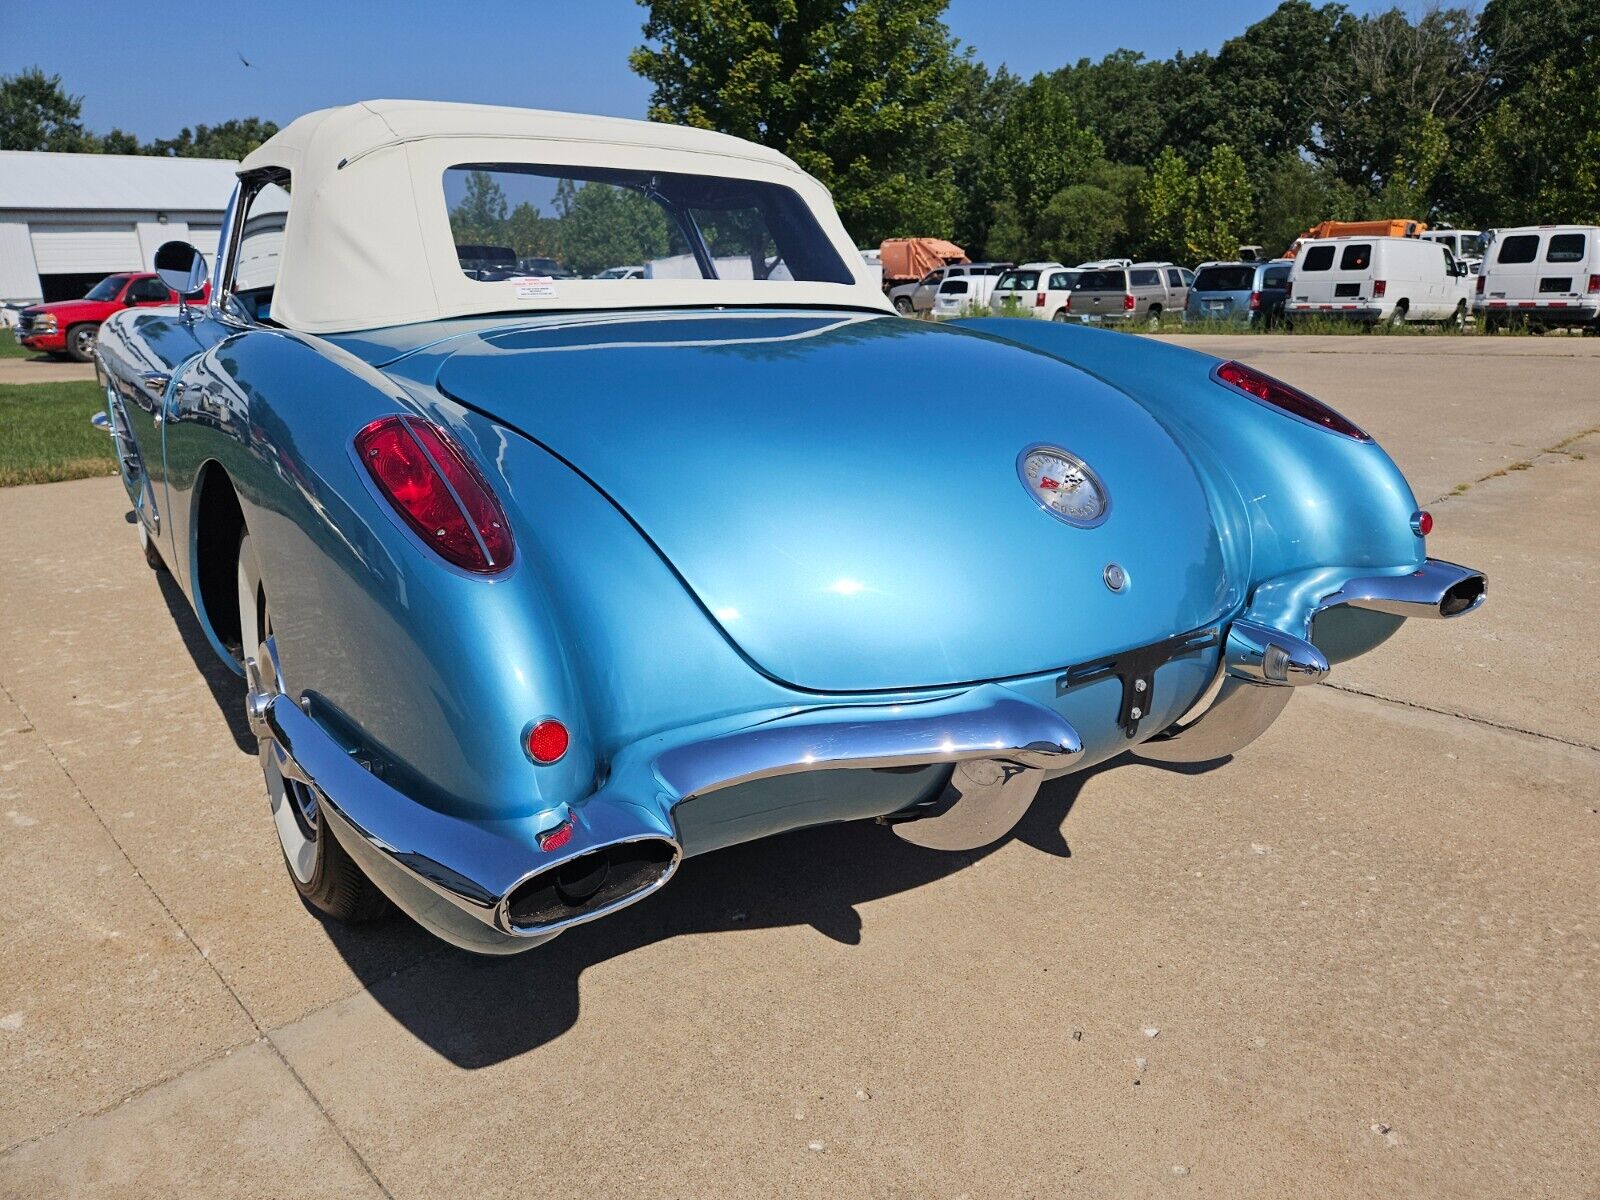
(67, 220)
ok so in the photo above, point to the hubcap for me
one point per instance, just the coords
(294, 802)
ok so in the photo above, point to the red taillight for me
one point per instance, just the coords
(1483, 279)
(1594, 284)
(430, 482)
(1038, 300)
(1422, 522)
(1290, 399)
(1255, 301)
(1379, 287)
(1127, 302)
(548, 741)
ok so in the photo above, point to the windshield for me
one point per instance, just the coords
(1225, 279)
(108, 288)
(585, 220)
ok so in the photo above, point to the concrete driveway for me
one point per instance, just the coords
(39, 368)
(1359, 960)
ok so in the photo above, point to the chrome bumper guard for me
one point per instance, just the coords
(1269, 652)
(488, 886)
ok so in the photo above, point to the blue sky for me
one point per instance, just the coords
(564, 54)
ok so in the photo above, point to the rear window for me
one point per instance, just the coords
(1225, 279)
(1356, 258)
(1519, 248)
(1318, 258)
(1566, 247)
(1018, 281)
(953, 287)
(1062, 281)
(1103, 281)
(587, 218)
(1145, 278)
(1276, 277)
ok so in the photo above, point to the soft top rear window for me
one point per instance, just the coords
(1519, 248)
(588, 219)
(1566, 247)
(1317, 258)
(1225, 279)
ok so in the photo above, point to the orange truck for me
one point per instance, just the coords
(908, 259)
(1396, 227)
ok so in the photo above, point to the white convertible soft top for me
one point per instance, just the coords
(368, 240)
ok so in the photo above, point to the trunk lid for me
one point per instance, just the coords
(842, 492)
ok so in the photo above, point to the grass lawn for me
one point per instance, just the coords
(45, 433)
(11, 348)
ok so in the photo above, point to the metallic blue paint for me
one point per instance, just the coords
(723, 513)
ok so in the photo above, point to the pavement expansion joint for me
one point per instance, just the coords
(1462, 716)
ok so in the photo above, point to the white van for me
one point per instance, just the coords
(1542, 274)
(1463, 243)
(1379, 280)
(964, 296)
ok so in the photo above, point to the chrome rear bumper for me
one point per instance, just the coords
(491, 887)
(1269, 650)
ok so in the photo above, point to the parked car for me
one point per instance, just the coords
(965, 296)
(1545, 275)
(68, 328)
(911, 299)
(1042, 290)
(529, 609)
(1138, 293)
(621, 273)
(1390, 280)
(1251, 293)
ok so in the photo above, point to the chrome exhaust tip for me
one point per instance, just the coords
(1435, 590)
(589, 884)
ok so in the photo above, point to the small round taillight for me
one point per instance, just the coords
(1422, 522)
(547, 741)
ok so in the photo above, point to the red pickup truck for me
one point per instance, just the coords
(69, 326)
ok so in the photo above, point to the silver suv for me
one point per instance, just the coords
(1138, 293)
(910, 299)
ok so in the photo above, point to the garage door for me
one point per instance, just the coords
(204, 238)
(84, 249)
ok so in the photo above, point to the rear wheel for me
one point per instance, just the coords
(1061, 315)
(1398, 317)
(902, 305)
(1458, 318)
(323, 873)
(80, 342)
(152, 556)
(1152, 319)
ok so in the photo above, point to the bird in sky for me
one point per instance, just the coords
(244, 60)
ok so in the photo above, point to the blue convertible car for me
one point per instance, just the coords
(540, 583)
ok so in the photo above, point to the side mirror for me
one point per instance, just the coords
(182, 268)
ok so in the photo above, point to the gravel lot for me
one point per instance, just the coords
(1360, 960)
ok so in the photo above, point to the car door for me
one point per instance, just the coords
(1177, 290)
(146, 292)
(1562, 275)
(927, 288)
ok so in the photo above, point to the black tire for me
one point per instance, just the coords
(1397, 318)
(1458, 319)
(1061, 316)
(326, 877)
(80, 342)
(1152, 319)
(1493, 324)
(152, 556)
(902, 305)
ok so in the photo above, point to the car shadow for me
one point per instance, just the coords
(477, 1010)
(227, 689)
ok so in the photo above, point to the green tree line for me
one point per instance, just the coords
(38, 113)
(1476, 119)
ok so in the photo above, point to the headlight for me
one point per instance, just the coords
(46, 324)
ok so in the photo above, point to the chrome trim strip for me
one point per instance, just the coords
(1002, 742)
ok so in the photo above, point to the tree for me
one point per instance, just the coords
(1408, 190)
(1090, 219)
(230, 140)
(479, 217)
(608, 226)
(1161, 205)
(1535, 158)
(1039, 149)
(37, 113)
(1220, 210)
(858, 92)
(1126, 101)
